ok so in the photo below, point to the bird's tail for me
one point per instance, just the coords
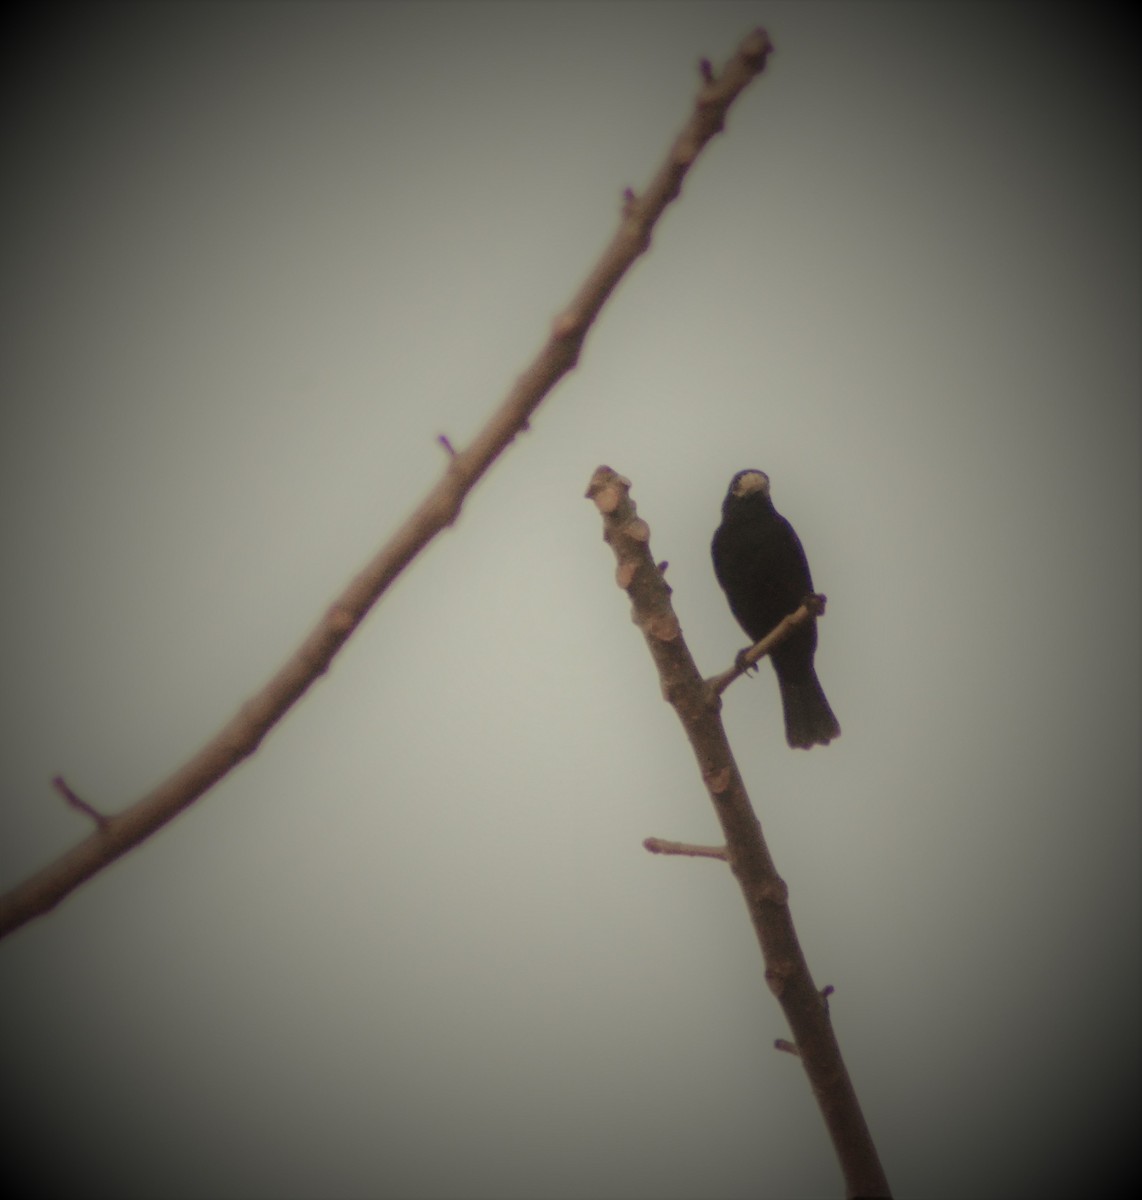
(809, 721)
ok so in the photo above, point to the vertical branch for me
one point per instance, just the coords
(766, 897)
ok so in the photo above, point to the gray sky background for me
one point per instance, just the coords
(255, 260)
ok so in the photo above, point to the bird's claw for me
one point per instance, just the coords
(740, 663)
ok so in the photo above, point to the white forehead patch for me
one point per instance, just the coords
(751, 481)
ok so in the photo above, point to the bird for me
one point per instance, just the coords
(761, 565)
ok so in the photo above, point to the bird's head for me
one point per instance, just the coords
(745, 483)
(748, 490)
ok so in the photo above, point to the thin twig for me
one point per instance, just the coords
(241, 735)
(662, 846)
(78, 802)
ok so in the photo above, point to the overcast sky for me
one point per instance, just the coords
(255, 259)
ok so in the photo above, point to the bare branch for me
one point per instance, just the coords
(240, 736)
(662, 846)
(763, 890)
(813, 607)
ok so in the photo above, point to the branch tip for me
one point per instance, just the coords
(757, 47)
(787, 1047)
(662, 846)
(607, 489)
(444, 441)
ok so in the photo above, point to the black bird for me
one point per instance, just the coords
(763, 570)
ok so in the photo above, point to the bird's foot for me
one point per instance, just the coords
(740, 663)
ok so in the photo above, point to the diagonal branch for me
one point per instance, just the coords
(242, 734)
(812, 607)
(766, 896)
